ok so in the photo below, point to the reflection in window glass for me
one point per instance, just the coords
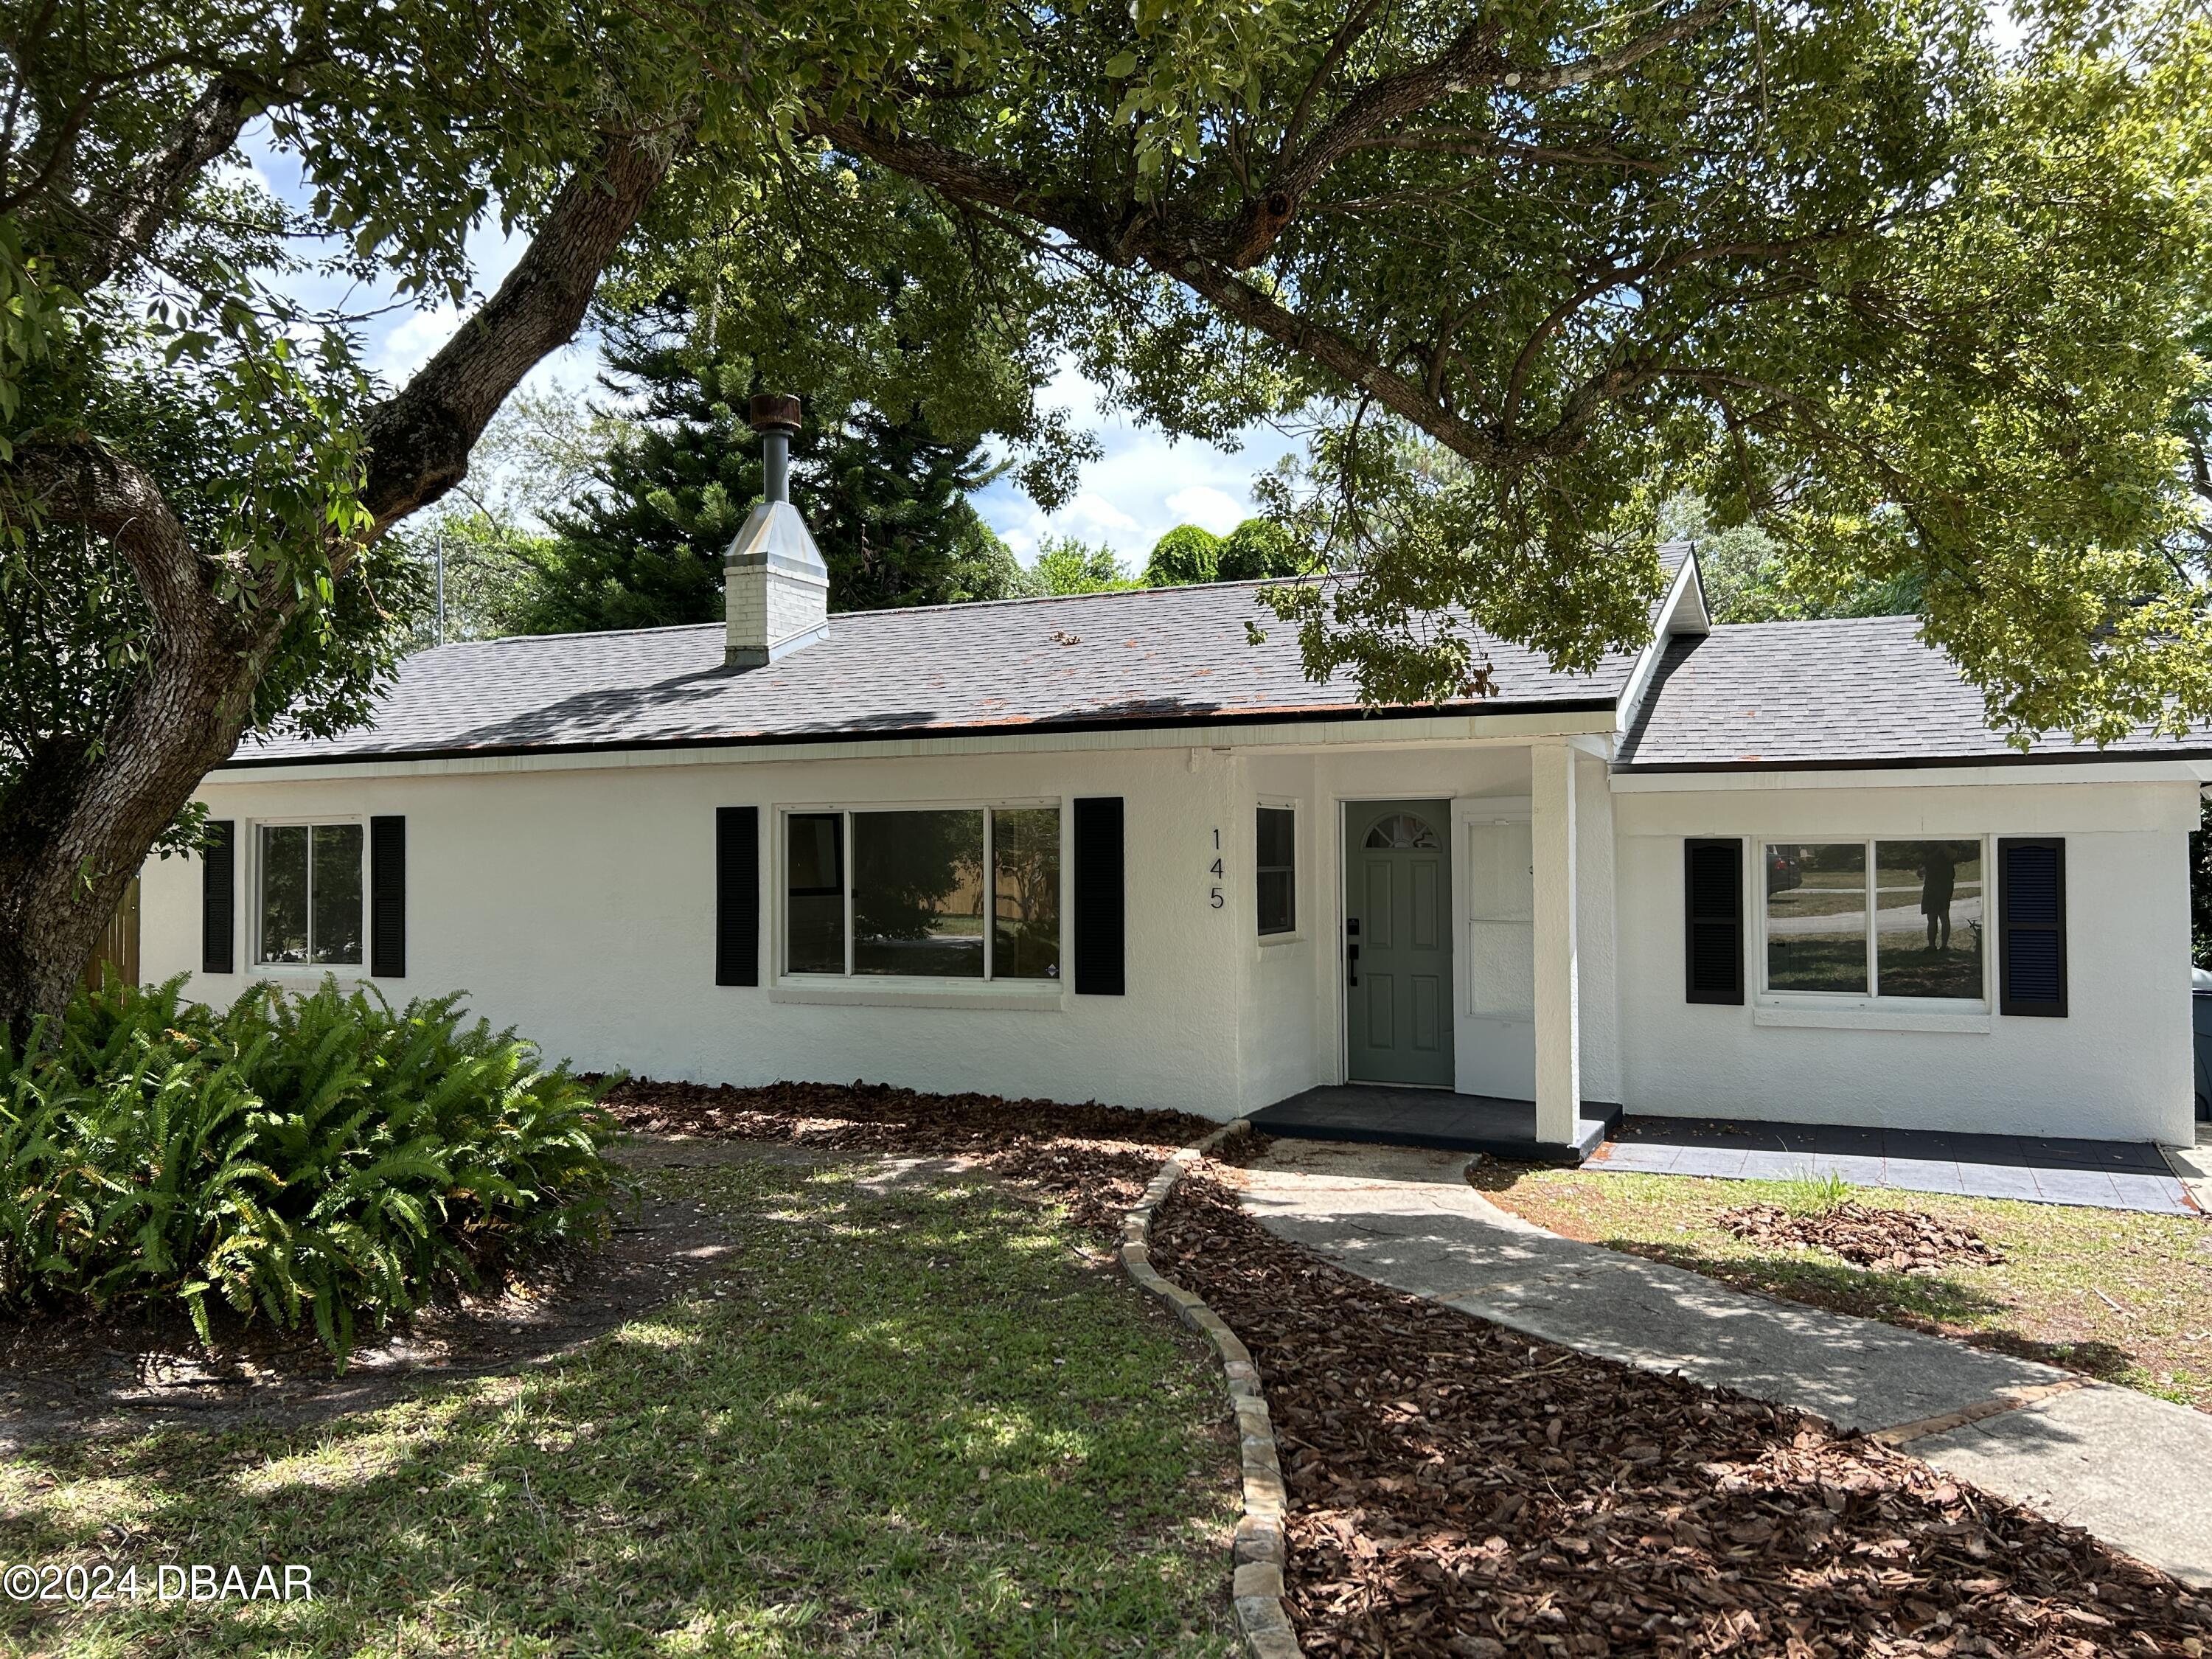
(1401, 830)
(334, 894)
(1025, 860)
(284, 892)
(814, 906)
(1277, 885)
(1928, 918)
(1816, 922)
(311, 909)
(918, 894)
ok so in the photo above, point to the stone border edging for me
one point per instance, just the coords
(1261, 1549)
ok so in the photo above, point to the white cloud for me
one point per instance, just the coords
(1209, 508)
(414, 340)
(1143, 485)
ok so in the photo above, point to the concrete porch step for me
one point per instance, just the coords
(1373, 1114)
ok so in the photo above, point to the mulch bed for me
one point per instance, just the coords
(1896, 1241)
(1094, 1160)
(1460, 1490)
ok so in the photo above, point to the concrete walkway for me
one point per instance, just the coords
(2136, 1471)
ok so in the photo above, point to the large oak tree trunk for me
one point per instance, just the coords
(81, 816)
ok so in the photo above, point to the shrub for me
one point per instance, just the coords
(1260, 548)
(1188, 553)
(313, 1157)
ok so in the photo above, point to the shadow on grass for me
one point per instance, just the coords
(911, 1422)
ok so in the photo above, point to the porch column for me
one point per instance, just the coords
(1558, 1034)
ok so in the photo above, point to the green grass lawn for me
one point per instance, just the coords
(2123, 1297)
(914, 1423)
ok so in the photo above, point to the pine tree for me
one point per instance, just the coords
(642, 546)
(888, 503)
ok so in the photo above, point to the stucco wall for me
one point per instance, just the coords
(577, 905)
(2118, 1065)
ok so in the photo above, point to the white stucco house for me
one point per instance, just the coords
(1107, 848)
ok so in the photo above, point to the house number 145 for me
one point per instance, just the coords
(1214, 898)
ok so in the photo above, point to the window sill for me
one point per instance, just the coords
(1293, 937)
(1029, 995)
(1869, 1017)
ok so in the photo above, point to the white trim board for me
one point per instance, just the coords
(1414, 732)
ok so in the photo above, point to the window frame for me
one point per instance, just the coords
(1870, 1001)
(866, 987)
(256, 871)
(1294, 932)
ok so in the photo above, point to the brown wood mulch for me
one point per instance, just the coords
(1460, 1490)
(1897, 1241)
(1094, 1160)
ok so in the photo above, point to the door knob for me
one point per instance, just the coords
(1352, 962)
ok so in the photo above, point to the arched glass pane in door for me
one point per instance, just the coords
(1402, 831)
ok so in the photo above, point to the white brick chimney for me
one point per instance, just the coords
(775, 586)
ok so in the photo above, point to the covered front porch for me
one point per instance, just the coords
(1473, 926)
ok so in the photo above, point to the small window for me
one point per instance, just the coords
(1278, 870)
(1880, 918)
(955, 893)
(310, 908)
(1402, 831)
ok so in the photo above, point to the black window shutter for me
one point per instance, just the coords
(2032, 927)
(737, 895)
(1099, 901)
(388, 898)
(219, 898)
(1712, 879)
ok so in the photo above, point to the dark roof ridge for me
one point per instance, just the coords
(1777, 624)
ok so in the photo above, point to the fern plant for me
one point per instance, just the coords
(318, 1159)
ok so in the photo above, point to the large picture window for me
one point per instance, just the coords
(1875, 918)
(944, 893)
(310, 894)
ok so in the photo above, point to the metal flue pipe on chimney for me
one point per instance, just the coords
(777, 589)
(776, 418)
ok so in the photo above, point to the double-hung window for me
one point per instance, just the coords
(309, 904)
(1277, 871)
(969, 892)
(1888, 919)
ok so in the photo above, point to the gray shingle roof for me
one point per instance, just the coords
(1853, 693)
(1149, 657)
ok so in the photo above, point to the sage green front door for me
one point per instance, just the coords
(1397, 942)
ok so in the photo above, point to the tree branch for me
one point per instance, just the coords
(1471, 60)
(203, 132)
(420, 438)
(82, 482)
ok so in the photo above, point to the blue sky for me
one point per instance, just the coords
(1141, 486)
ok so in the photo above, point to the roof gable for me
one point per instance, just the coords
(1850, 692)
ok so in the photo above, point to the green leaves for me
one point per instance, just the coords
(321, 1157)
(1915, 307)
